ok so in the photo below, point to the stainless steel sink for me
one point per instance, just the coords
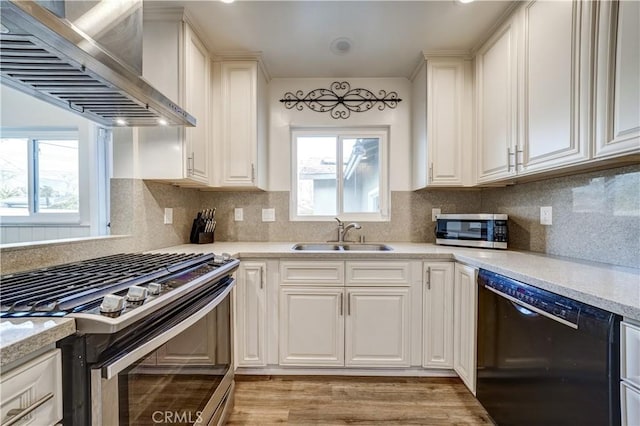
(317, 247)
(366, 247)
(341, 247)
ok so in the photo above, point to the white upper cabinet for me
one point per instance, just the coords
(496, 105)
(177, 63)
(241, 110)
(533, 91)
(441, 122)
(555, 74)
(617, 97)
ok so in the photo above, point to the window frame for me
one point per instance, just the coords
(341, 133)
(45, 218)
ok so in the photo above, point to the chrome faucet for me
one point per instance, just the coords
(342, 229)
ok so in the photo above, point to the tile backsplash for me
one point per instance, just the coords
(596, 217)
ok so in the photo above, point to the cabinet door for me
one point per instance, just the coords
(556, 64)
(437, 351)
(311, 326)
(630, 405)
(377, 327)
(196, 99)
(37, 381)
(197, 345)
(465, 295)
(251, 316)
(445, 98)
(238, 150)
(617, 100)
(496, 97)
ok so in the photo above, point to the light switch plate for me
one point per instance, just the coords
(434, 213)
(238, 214)
(546, 215)
(168, 216)
(268, 215)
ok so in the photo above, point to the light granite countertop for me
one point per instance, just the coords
(609, 287)
(20, 337)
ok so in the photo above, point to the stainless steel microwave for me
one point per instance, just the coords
(472, 230)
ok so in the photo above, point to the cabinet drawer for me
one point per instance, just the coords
(630, 353)
(37, 380)
(312, 273)
(629, 405)
(378, 274)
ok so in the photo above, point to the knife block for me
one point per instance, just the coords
(205, 237)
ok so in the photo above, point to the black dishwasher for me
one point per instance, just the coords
(544, 359)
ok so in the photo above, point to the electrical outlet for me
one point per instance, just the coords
(238, 214)
(546, 215)
(269, 215)
(168, 216)
(434, 213)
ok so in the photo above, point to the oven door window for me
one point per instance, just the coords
(180, 382)
(475, 230)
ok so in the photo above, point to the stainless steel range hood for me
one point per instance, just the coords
(48, 52)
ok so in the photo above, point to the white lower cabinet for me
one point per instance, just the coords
(465, 296)
(251, 314)
(312, 326)
(377, 327)
(353, 314)
(37, 383)
(630, 372)
(437, 315)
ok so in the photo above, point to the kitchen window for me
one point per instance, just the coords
(339, 173)
(41, 177)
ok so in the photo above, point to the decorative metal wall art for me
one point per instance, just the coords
(340, 100)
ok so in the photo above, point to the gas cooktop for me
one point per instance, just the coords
(109, 293)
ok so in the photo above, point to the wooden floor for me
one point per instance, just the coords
(330, 400)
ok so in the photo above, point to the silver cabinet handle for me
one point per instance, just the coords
(431, 171)
(341, 304)
(253, 172)
(261, 279)
(428, 278)
(348, 303)
(18, 414)
(509, 154)
(521, 152)
(190, 164)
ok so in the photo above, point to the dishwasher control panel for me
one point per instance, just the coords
(551, 303)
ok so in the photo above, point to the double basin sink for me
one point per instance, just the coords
(341, 247)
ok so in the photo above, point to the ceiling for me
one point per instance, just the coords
(387, 37)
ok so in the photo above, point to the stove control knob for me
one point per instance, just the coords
(112, 305)
(136, 294)
(154, 288)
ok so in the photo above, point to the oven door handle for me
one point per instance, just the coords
(127, 359)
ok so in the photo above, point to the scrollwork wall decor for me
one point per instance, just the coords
(340, 100)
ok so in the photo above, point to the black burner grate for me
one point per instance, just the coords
(65, 287)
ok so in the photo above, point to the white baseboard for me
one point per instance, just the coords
(405, 372)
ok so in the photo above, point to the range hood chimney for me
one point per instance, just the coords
(85, 56)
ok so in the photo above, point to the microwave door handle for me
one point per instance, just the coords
(129, 357)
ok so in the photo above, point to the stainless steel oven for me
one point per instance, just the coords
(180, 374)
(154, 343)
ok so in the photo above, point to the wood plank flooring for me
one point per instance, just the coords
(338, 400)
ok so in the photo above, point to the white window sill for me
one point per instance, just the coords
(53, 243)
